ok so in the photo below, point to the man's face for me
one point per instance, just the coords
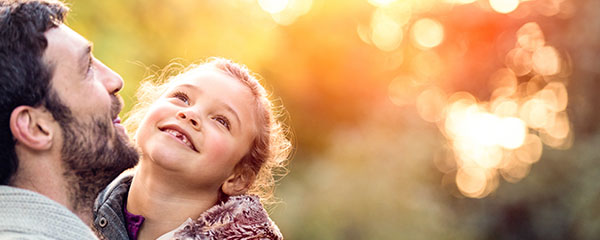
(95, 148)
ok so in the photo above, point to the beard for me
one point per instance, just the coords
(93, 153)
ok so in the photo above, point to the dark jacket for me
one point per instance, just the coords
(240, 217)
(109, 218)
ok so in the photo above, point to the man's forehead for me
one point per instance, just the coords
(63, 40)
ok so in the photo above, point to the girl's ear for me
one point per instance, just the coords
(31, 127)
(239, 182)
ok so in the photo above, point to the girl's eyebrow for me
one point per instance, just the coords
(187, 85)
(230, 109)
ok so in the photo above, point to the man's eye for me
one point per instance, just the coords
(223, 121)
(90, 65)
(183, 97)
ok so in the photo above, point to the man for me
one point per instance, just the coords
(60, 137)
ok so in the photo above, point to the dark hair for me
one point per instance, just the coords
(24, 78)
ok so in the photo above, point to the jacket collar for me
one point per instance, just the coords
(240, 217)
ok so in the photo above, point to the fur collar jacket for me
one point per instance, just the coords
(240, 217)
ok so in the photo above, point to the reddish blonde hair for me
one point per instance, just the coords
(271, 147)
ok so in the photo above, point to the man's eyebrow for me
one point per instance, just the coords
(84, 60)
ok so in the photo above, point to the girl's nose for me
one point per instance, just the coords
(191, 118)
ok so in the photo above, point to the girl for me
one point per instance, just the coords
(207, 137)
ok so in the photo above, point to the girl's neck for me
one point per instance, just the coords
(164, 204)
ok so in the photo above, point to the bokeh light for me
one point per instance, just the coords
(273, 6)
(461, 1)
(387, 32)
(504, 6)
(285, 12)
(519, 60)
(401, 90)
(431, 103)
(427, 33)
(471, 181)
(546, 61)
(499, 137)
(530, 36)
(381, 3)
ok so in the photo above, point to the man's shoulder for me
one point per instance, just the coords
(26, 214)
(12, 235)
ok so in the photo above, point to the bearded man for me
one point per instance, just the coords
(60, 135)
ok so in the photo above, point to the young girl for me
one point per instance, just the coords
(209, 142)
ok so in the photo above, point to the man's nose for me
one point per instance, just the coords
(111, 80)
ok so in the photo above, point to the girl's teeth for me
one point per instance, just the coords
(180, 136)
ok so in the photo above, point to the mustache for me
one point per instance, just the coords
(116, 105)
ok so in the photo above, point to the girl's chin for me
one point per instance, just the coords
(165, 162)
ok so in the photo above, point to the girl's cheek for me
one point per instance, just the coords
(151, 118)
(219, 147)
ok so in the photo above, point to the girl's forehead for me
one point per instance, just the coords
(201, 75)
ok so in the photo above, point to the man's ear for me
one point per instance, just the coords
(31, 127)
(239, 182)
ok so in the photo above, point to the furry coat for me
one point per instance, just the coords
(241, 217)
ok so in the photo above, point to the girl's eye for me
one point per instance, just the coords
(223, 121)
(182, 96)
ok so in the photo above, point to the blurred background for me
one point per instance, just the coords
(411, 119)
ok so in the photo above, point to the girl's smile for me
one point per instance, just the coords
(179, 134)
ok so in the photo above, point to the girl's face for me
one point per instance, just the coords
(199, 128)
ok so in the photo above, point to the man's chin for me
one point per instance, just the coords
(121, 132)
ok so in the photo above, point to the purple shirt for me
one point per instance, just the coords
(132, 222)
